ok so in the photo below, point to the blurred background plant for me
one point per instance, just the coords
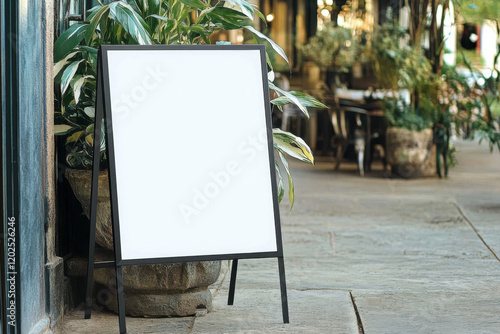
(399, 65)
(401, 115)
(401, 68)
(416, 95)
(485, 120)
(486, 86)
(332, 47)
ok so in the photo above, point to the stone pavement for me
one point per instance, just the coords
(366, 255)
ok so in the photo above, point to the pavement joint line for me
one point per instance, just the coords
(191, 327)
(461, 211)
(358, 317)
(331, 241)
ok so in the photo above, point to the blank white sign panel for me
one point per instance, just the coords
(191, 152)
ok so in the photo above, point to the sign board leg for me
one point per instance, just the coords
(93, 198)
(284, 298)
(121, 299)
(90, 273)
(232, 283)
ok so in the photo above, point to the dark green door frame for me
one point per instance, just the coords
(10, 167)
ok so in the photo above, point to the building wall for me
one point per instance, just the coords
(489, 43)
(31, 213)
(39, 284)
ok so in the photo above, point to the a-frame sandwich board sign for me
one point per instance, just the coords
(190, 156)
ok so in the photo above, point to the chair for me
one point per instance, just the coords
(292, 120)
(345, 133)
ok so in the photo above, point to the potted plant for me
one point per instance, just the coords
(409, 140)
(333, 50)
(183, 286)
(405, 74)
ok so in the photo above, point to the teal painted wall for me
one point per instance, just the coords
(24, 113)
(31, 139)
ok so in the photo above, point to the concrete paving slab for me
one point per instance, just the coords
(308, 244)
(390, 273)
(107, 323)
(484, 214)
(259, 311)
(418, 256)
(443, 312)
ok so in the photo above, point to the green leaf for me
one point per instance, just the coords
(91, 52)
(74, 137)
(281, 188)
(154, 6)
(203, 13)
(170, 23)
(90, 129)
(197, 4)
(89, 111)
(228, 18)
(292, 145)
(200, 30)
(291, 187)
(268, 61)
(68, 75)
(68, 40)
(162, 18)
(195, 28)
(61, 63)
(92, 10)
(262, 17)
(77, 84)
(271, 76)
(73, 160)
(141, 5)
(94, 20)
(291, 97)
(305, 99)
(62, 129)
(244, 7)
(131, 22)
(275, 46)
(89, 139)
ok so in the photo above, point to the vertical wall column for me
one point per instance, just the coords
(27, 158)
(54, 266)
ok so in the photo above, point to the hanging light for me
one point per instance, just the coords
(270, 17)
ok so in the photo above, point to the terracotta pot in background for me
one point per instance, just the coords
(311, 75)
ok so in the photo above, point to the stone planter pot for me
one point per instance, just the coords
(311, 75)
(176, 289)
(410, 153)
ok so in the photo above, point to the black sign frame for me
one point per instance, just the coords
(103, 114)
